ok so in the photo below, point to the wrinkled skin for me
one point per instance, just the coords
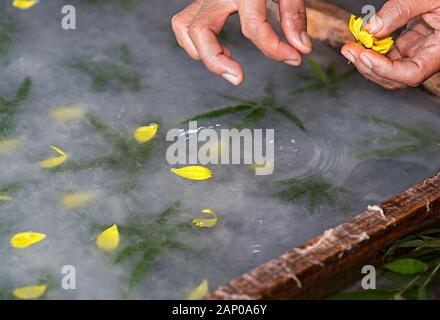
(197, 27)
(416, 54)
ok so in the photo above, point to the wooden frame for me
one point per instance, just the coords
(326, 263)
(333, 259)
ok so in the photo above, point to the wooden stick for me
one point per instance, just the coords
(327, 262)
(329, 23)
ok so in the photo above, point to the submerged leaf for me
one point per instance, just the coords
(108, 240)
(206, 222)
(198, 292)
(25, 239)
(145, 134)
(54, 161)
(193, 172)
(30, 292)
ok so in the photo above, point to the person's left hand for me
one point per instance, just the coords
(416, 54)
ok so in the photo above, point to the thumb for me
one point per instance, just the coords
(397, 13)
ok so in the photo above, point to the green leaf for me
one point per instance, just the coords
(318, 70)
(220, 112)
(253, 117)
(142, 267)
(407, 266)
(23, 91)
(289, 115)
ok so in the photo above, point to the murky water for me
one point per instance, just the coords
(362, 145)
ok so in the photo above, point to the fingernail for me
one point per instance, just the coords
(294, 63)
(305, 39)
(374, 25)
(366, 61)
(349, 56)
(231, 78)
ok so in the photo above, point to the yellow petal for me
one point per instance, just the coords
(145, 134)
(24, 4)
(109, 239)
(383, 45)
(77, 199)
(206, 222)
(8, 145)
(31, 292)
(26, 239)
(193, 172)
(367, 39)
(67, 113)
(5, 197)
(54, 161)
(355, 25)
(200, 291)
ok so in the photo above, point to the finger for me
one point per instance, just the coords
(255, 27)
(354, 52)
(394, 54)
(180, 23)
(294, 24)
(411, 72)
(396, 13)
(203, 32)
(409, 42)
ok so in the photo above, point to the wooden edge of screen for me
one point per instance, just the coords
(326, 263)
(329, 23)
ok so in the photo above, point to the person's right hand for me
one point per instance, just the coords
(197, 27)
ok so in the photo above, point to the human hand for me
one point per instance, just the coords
(416, 54)
(197, 27)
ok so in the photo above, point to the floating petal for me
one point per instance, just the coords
(55, 161)
(68, 113)
(367, 39)
(77, 199)
(193, 172)
(108, 240)
(24, 4)
(145, 134)
(8, 145)
(26, 239)
(206, 222)
(200, 291)
(29, 293)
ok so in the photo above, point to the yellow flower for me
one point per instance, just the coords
(206, 222)
(200, 291)
(367, 39)
(24, 4)
(29, 293)
(108, 240)
(77, 199)
(67, 113)
(54, 161)
(145, 134)
(5, 197)
(8, 145)
(193, 172)
(25, 239)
